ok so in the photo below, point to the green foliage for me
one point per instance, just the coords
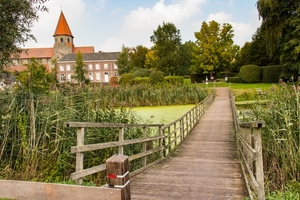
(250, 74)
(140, 72)
(17, 18)
(234, 80)
(214, 48)
(156, 77)
(185, 58)
(123, 61)
(174, 79)
(167, 42)
(141, 80)
(35, 78)
(280, 136)
(271, 74)
(79, 70)
(126, 79)
(291, 192)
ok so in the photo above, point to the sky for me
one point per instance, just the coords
(109, 24)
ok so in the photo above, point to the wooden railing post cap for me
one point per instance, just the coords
(117, 158)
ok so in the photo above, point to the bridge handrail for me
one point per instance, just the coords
(167, 137)
(249, 144)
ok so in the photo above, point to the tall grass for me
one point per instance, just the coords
(35, 145)
(281, 136)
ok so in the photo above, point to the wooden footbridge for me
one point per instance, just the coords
(206, 154)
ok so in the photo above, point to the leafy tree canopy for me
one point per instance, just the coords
(16, 20)
(214, 48)
(167, 41)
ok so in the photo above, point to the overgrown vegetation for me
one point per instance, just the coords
(35, 145)
(281, 140)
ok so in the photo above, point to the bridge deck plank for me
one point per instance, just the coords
(204, 167)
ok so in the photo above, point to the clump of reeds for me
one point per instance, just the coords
(281, 136)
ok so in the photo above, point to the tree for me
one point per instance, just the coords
(36, 78)
(138, 56)
(185, 54)
(16, 20)
(167, 41)
(79, 70)
(123, 61)
(280, 22)
(214, 48)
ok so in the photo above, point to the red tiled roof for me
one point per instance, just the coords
(62, 27)
(88, 49)
(37, 53)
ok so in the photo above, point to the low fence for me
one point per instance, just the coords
(249, 146)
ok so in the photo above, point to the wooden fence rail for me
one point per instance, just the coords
(249, 146)
(165, 137)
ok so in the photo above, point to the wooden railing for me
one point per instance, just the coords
(165, 137)
(249, 144)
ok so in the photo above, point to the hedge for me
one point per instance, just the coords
(250, 74)
(174, 79)
(271, 74)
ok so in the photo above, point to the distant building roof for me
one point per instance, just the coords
(37, 53)
(87, 49)
(91, 56)
(62, 27)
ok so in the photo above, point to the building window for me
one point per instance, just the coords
(90, 67)
(61, 68)
(105, 66)
(68, 39)
(68, 68)
(62, 78)
(116, 74)
(91, 76)
(115, 66)
(98, 76)
(61, 39)
(97, 66)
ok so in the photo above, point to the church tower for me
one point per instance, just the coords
(63, 38)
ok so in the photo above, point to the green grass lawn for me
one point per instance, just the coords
(162, 114)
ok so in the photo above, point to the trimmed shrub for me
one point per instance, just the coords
(271, 74)
(156, 77)
(141, 80)
(126, 79)
(140, 72)
(250, 74)
(234, 80)
(114, 80)
(174, 79)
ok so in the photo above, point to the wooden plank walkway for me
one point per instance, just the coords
(204, 167)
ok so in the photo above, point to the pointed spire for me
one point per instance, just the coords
(62, 27)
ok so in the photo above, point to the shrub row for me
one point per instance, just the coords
(256, 74)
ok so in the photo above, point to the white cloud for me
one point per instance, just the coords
(220, 17)
(112, 44)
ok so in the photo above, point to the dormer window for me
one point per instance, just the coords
(61, 39)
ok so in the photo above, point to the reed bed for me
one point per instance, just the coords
(281, 136)
(35, 145)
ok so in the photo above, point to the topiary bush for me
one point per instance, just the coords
(156, 77)
(234, 80)
(141, 80)
(126, 79)
(271, 74)
(174, 79)
(250, 74)
(114, 80)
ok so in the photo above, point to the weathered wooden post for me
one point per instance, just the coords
(117, 168)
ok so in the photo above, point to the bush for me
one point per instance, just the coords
(250, 74)
(234, 80)
(174, 79)
(141, 80)
(140, 72)
(156, 77)
(271, 74)
(113, 80)
(126, 79)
